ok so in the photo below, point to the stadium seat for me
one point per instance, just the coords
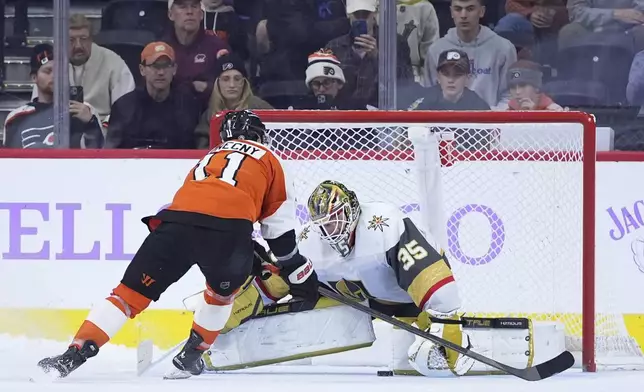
(576, 92)
(601, 57)
(128, 44)
(149, 15)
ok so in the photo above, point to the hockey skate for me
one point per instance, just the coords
(188, 362)
(70, 360)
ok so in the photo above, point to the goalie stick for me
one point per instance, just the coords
(558, 364)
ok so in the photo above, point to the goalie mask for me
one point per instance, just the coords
(334, 212)
(243, 125)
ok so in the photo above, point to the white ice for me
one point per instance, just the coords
(113, 370)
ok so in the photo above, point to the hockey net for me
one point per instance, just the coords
(516, 211)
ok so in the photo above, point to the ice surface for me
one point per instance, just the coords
(113, 370)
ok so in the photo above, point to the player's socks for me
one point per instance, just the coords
(70, 360)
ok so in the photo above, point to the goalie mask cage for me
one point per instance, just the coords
(515, 197)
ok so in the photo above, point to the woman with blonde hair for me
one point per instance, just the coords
(232, 91)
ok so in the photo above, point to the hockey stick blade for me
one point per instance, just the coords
(144, 356)
(558, 364)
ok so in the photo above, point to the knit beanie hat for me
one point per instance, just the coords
(41, 55)
(324, 63)
(230, 61)
(525, 72)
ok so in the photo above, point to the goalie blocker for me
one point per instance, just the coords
(280, 333)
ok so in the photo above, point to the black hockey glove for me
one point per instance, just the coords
(263, 264)
(301, 279)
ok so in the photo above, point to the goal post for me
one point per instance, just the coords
(518, 195)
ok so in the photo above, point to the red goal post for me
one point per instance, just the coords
(367, 147)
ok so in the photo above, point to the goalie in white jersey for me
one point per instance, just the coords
(373, 252)
(368, 252)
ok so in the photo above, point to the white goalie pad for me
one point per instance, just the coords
(518, 348)
(290, 336)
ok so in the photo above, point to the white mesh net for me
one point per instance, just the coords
(513, 208)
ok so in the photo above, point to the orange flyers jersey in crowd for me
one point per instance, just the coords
(240, 179)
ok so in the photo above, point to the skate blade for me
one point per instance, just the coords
(177, 374)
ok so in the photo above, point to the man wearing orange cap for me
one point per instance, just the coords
(158, 115)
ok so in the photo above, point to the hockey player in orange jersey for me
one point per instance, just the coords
(209, 223)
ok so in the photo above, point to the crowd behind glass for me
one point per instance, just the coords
(213, 55)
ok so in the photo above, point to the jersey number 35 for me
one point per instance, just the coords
(411, 252)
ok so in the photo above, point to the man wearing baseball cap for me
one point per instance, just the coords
(157, 115)
(358, 53)
(196, 50)
(451, 92)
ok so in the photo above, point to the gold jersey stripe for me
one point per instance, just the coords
(426, 279)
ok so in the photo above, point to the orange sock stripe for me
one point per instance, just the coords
(136, 301)
(89, 331)
(208, 336)
(212, 298)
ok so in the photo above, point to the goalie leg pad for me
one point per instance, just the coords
(247, 304)
(432, 360)
(521, 346)
(289, 336)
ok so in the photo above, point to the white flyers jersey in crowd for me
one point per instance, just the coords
(392, 260)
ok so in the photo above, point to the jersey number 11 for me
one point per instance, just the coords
(228, 172)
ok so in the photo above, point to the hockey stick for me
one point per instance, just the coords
(558, 364)
(144, 353)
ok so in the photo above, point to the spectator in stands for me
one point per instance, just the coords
(490, 55)
(221, 18)
(417, 22)
(31, 126)
(451, 92)
(102, 73)
(533, 16)
(232, 92)
(605, 16)
(289, 31)
(196, 50)
(635, 86)
(525, 80)
(159, 114)
(325, 80)
(358, 54)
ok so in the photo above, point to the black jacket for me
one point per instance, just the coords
(432, 99)
(137, 121)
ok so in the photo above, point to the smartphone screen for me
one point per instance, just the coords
(76, 93)
(358, 28)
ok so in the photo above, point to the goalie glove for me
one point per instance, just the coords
(432, 360)
(301, 278)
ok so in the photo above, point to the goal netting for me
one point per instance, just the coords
(513, 205)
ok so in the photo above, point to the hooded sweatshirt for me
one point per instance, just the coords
(490, 57)
(418, 23)
(222, 19)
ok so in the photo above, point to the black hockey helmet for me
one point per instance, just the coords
(243, 125)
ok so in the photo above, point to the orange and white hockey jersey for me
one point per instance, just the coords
(237, 183)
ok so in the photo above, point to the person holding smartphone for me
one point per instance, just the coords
(358, 52)
(31, 125)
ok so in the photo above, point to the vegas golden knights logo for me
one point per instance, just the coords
(351, 289)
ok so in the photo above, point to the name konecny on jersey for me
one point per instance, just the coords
(245, 148)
